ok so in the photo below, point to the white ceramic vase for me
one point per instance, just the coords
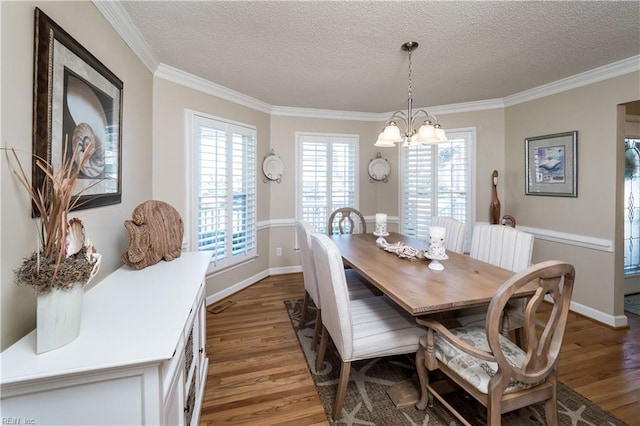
(58, 313)
(58, 317)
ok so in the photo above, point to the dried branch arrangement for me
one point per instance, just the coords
(64, 256)
(401, 249)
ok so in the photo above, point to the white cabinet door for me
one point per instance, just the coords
(173, 412)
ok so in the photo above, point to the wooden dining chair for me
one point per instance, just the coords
(510, 249)
(488, 366)
(357, 287)
(508, 220)
(346, 220)
(360, 329)
(453, 234)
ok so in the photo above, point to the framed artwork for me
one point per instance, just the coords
(551, 165)
(76, 101)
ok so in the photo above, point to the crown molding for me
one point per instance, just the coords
(175, 75)
(606, 72)
(595, 75)
(466, 107)
(383, 116)
(119, 19)
(116, 15)
(327, 113)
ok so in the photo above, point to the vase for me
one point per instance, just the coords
(58, 317)
(494, 207)
(59, 311)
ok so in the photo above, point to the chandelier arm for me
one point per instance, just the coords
(428, 115)
(401, 115)
(435, 119)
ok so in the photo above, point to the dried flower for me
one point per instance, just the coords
(64, 256)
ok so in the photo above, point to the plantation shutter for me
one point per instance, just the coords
(327, 176)
(224, 170)
(435, 181)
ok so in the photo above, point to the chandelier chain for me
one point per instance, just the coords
(410, 82)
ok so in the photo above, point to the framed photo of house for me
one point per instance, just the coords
(76, 101)
(551, 165)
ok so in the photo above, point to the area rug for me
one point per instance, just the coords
(632, 303)
(367, 402)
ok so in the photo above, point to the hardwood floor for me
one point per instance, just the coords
(258, 374)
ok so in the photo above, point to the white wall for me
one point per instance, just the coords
(104, 225)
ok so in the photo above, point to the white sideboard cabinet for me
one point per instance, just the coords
(140, 358)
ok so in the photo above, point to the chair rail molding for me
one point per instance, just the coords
(583, 241)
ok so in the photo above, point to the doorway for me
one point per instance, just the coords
(631, 210)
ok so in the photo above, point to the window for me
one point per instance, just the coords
(436, 181)
(632, 206)
(327, 176)
(223, 194)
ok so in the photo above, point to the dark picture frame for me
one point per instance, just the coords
(76, 99)
(551, 165)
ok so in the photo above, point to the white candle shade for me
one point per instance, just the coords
(436, 232)
(436, 242)
(381, 224)
(381, 218)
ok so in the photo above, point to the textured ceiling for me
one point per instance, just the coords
(345, 55)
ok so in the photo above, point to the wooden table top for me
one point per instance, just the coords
(464, 282)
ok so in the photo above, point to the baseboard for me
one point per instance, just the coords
(285, 270)
(236, 287)
(615, 321)
(251, 280)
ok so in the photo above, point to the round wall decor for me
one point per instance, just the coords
(273, 167)
(379, 169)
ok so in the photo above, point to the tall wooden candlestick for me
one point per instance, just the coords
(494, 207)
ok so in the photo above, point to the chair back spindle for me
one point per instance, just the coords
(346, 220)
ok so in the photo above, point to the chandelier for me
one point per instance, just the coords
(430, 132)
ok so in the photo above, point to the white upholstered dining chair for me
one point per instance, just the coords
(491, 368)
(503, 246)
(357, 287)
(454, 231)
(508, 248)
(360, 329)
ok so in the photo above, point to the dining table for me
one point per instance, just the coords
(464, 282)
